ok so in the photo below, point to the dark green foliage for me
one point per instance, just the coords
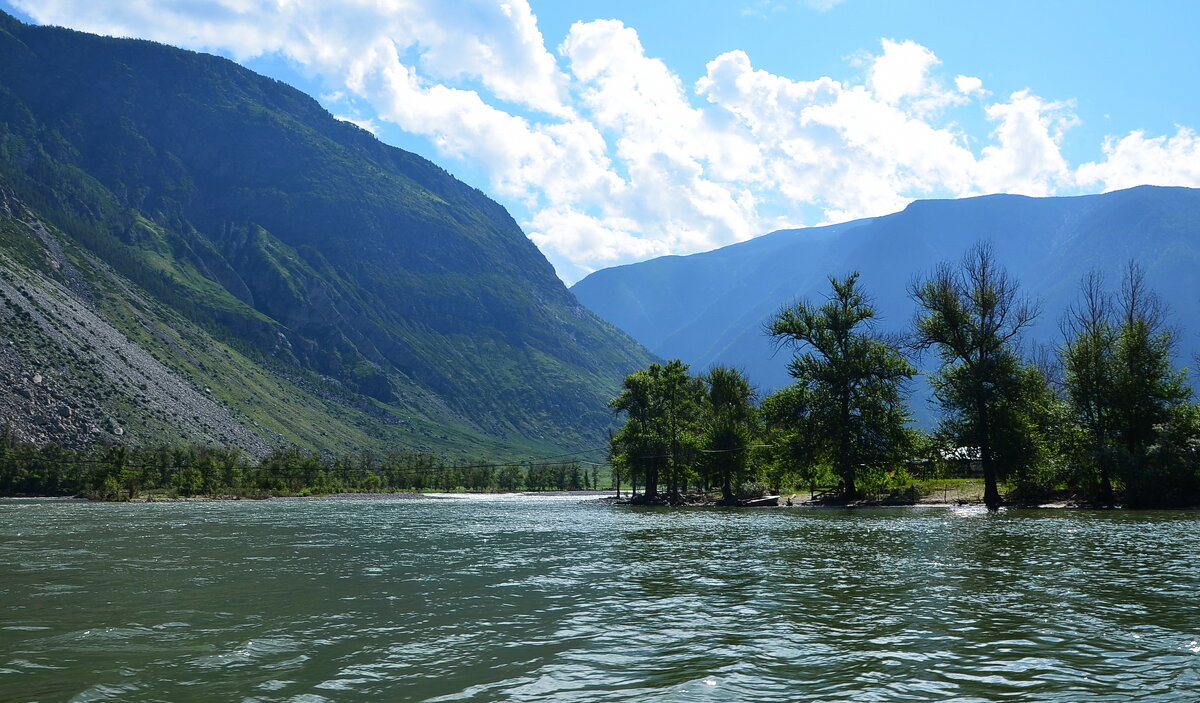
(662, 404)
(729, 426)
(848, 401)
(1125, 393)
(1088, 361)
(1024, 420)
(1116, 405)
(971, 315)
(1145, 385)
(793, 440)
(1168, 474)
(119, 472)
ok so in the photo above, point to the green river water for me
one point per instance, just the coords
(543, 598)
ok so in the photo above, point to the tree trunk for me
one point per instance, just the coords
(673, 490)
(651, 492)
(991, 491)
(845, 467)
(990, 487)
(1106, 489)
(726, 487)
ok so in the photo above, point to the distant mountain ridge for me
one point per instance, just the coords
(710, 308)
(385, 302)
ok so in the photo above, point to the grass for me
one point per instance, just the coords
(951, 490)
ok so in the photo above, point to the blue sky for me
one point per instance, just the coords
(617, 131)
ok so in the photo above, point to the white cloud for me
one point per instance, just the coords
(763, 8)
(604, 152)
(1137, 160)
(969, 85)
(497, 43)
(367, 124)
(901, 72)
(835, 146)
(1026, 157)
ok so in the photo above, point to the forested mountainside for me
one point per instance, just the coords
(192, 251)
(711, 308)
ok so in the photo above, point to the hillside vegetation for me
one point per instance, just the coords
(195, 252)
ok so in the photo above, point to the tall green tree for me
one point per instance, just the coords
(1146, 385)
(793, 447)
(855, 407)
(681, 397)
(729, 426)
(1120, 381)
(1088, 357)
(661, 404)
(1025, 420)
(972, 315)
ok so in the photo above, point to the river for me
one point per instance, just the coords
(511, 598)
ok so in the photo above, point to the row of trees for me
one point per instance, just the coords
(1106, 413)
(681, 427)
(117, 471)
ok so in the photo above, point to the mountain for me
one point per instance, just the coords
(710, 308)
(191, 250)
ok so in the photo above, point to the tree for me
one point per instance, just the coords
(638, 444)
(1088, 358)
(1170, 475)
(661, 404)
(853, 380)
(729, 425)
(1145, 384)
(1120, 381)
(681, 397)
(973, 315)
(793, 452)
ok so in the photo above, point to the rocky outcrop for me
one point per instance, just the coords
(68, 376)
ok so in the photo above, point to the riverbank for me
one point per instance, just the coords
(360, 495)
(930, 493)
(935, 493)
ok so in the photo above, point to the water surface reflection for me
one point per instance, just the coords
(547, 599)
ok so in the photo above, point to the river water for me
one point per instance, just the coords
(543, 598)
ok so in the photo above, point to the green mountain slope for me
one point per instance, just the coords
(333, 273)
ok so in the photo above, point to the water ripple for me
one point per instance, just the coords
(528, 599)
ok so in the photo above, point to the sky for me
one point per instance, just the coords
(618, 131)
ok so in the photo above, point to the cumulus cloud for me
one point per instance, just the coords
(901, 71)
(607, 156)
(1026, 157)
(968, 85)
(367, 124)
(497, 43)
(1138, 160)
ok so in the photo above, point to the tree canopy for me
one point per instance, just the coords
(851, 381)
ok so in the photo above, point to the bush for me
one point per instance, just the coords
(896, 483)
(751, 489)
